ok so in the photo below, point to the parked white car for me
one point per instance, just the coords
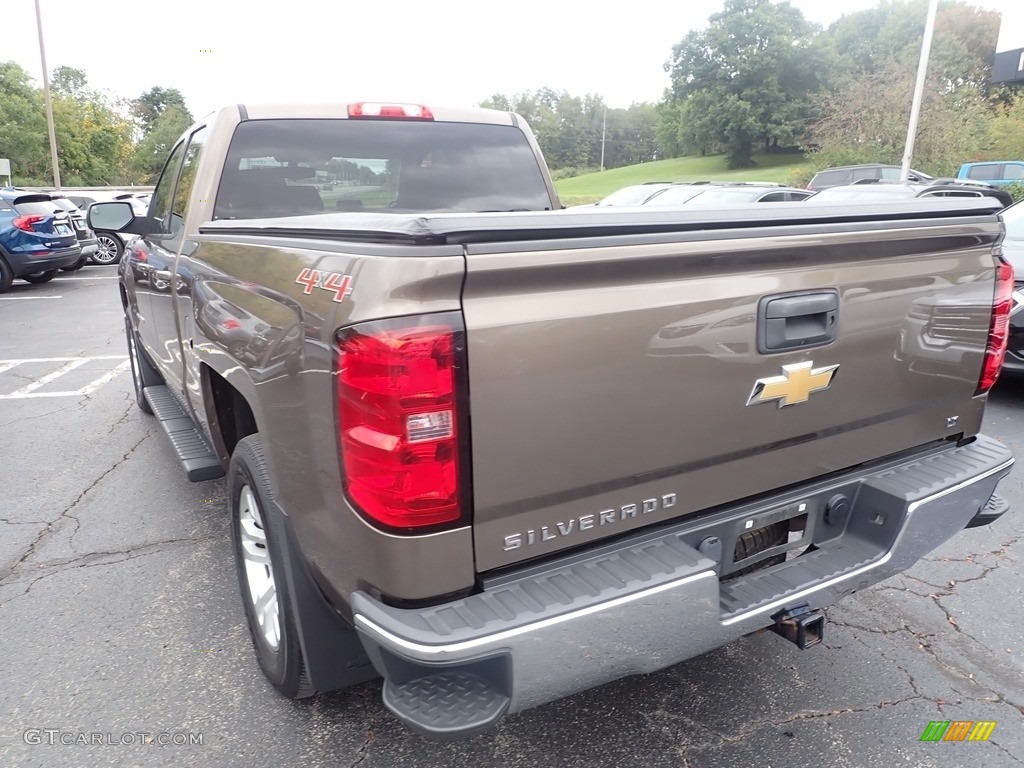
(111, 244)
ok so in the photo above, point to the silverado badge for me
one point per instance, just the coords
(794, 386)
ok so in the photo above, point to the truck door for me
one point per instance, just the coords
(149, 262)
(163, 284)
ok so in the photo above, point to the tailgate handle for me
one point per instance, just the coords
(797, 321)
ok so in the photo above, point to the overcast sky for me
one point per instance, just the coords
(450, 52)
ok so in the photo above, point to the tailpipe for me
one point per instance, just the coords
(801, 625)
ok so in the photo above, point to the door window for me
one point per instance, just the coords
(984, 172)
(160, 207)
(183, 192)
(1013, 171)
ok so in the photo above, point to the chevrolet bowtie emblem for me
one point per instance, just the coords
(794, 386)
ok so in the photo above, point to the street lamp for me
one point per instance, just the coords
(922, 70)
(49, 103)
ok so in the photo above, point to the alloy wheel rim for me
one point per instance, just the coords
(259, 575)
(107, 250)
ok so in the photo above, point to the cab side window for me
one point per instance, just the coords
(160, 207)
(183, 191)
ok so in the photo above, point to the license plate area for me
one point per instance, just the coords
(795, 522)
(809, 520)
(62, 229)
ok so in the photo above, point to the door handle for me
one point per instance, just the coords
(797, 321)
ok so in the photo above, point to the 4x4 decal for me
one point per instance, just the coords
(340, 285)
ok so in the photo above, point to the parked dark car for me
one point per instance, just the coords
(907, 190)
(37, 238)
(86, 237)
(851, 174)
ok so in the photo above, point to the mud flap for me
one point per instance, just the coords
(333, 653)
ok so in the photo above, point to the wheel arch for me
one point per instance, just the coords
(228, 413)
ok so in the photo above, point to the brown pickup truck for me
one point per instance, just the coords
(498, 452)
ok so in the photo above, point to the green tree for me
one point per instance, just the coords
(868, 41)
(70, 82)
(1006, 132)
(151, 105)
(93, 138)
(864, 120)
(23, 126)
(569, 129)
(154, 148)
(747, 79)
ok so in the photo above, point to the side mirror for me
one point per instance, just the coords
(118, 216)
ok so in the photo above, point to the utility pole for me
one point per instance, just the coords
(604, 132)
(49, 102)
(922, 70)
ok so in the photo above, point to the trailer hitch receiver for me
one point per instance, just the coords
(800, 624)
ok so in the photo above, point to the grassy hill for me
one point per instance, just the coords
(593, 186)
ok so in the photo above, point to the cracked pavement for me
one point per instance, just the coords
(119, 613)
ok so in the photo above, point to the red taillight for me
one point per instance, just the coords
(373, 109)
(24, 223)
(999, 329)
(398, 414)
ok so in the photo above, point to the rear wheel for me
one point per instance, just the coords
(258, 561)
(144, 373)
(6, 275)
(76, 266)
(41, 277)
(110, 249)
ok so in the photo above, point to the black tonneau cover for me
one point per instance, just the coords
(453, 228)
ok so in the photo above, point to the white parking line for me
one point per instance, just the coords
(66, 368)
(103, 379)
(17, 361)
(27, 298)
(70, 364)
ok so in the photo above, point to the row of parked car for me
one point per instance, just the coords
(42, 233)
(835, 184)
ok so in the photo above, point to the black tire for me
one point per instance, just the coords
(6, 275)
(111, 249)
(144, 373)
(41, 277)
(76, 266)
(257, 564)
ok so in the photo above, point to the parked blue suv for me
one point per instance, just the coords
(36, 238)
(997, 172)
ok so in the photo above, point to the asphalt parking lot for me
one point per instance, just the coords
(121, 631)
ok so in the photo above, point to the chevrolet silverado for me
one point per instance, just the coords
(496, 451)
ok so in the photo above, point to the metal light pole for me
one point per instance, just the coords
(604, 132)
(922, 70)
(49, 103)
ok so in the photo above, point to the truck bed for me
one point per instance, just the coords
(615, 358)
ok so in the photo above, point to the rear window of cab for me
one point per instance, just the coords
(292, 167)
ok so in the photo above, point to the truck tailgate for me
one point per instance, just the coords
(621, 381)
